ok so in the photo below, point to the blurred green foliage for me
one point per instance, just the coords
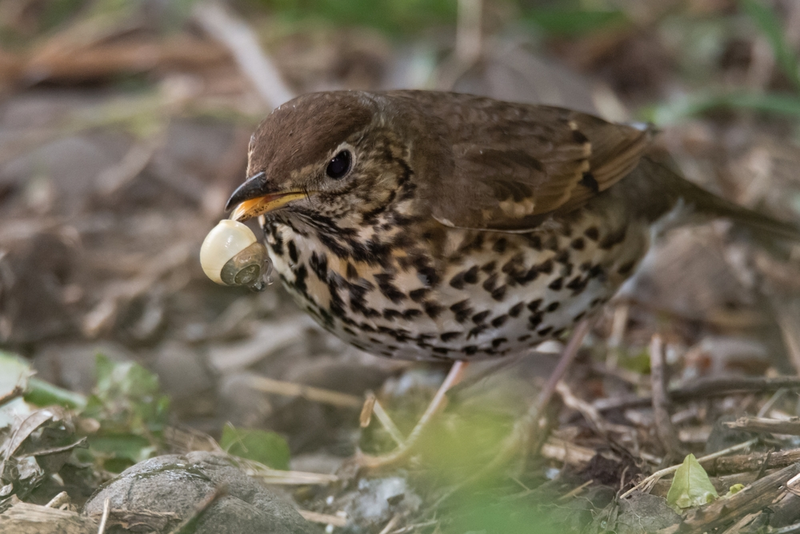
(570, 21)
(267, 448)
(390, 16)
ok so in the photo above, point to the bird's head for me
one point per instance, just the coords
(325, 156)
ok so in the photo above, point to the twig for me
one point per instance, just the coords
(763, 424)
(648, 482)
(588, 411)
(15, 393)
(58, 500)
(236, 35)
(778, 395)
(104, 518)
(372, 405)
(280, 477)
(664, 428)
(391, 524)
(325, 519)
(702, 388)
(293, 389)
(750, 462)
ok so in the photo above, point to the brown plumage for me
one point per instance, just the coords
(430, 225)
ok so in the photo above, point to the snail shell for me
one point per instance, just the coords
(232, 256)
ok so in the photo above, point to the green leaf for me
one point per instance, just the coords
(41, 393)
(267, 448)
(779, 104)
(691, 486)
(769, 25)
(573, 21)
(116, 452)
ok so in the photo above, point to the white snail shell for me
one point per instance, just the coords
(232, 256)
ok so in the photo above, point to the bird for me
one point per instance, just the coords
(438, 226)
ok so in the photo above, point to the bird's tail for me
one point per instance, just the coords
(703, 205)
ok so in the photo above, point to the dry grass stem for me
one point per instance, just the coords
(293, 389)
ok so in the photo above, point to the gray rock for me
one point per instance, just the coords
(161, 492)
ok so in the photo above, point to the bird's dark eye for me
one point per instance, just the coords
(339, 165)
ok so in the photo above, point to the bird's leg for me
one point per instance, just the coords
(518, 442)
(520, 438)
(437, 404)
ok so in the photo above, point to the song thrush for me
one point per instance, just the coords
(442, 226)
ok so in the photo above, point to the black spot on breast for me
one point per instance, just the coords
(352, 273)
(391, 314)
(500, 245)
(498, 341)
(516, 309)
(562, 257)
(411, 313)
(479, 318)
(489, 266)
(277, 245)
(545, 267)
(578, 243)
(349, 330)
(534, 320)
(462, 310)
(449, 336)
(535, 242)
(417, 295)
(333, 245)
(525, 337)
(432, 309)
(626, 268)
(490, 282)
(476, 331)
(553, 306)
(458, 281)
(578, 317)
(559, 332)
(440, 350)
(556, 284)
(471, 276)
(552, 243)
(498, 321)
(592, 233)
(300, 275)
(534, 305)
(292, 251)
(515, 265)
(366, 327)
(577, 284)
(545, 331)
(531, 275)
(388, 289)
(499, 293)
(319, 265)
(597, 272)
(614, 238)
(469, 350)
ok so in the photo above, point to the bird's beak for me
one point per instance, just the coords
(250, 200)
